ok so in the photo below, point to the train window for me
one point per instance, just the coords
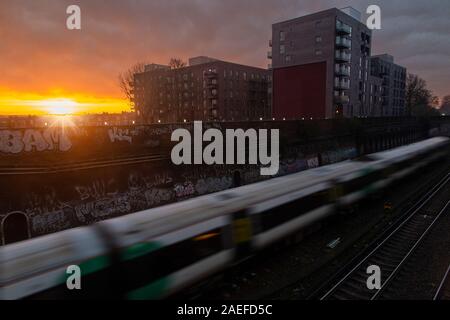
(284, 213)
(389, 170)
(162, 262)
(406, 163)
(361, 182)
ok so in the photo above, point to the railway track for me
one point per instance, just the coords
(81, 165)
(443, 290)
(393, 250)
(404, 207)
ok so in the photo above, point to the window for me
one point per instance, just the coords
(286, 212)
(282, 49)
(282, 36)
(318, 52)
(318, 39)
(288, 58)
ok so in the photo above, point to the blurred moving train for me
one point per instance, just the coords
(154, 253)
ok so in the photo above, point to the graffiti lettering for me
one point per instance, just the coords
(97, 190)
(184, 190)
(96, 210)
(16, 141)
(117, 134)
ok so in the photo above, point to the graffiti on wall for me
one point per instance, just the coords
(97, 189)
(17, 141)
(104, 196)
(213, 184)
(52, 221)
(121, 134)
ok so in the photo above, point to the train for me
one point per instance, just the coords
(156, 253)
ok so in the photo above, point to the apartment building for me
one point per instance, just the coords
(321, 66)
(393, 78)
(207, 89)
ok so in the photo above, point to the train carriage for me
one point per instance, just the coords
(157, 252)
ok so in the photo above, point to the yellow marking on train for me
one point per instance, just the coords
(206, 236)
(242, 230)
(336, 192)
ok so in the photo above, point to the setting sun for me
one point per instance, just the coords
(58, 106)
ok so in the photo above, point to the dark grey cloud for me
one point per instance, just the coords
(116, 33)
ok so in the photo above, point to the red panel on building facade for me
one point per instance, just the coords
(300, 91)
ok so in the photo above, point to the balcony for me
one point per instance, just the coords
(342, 71)
(365, 44)
(342, 56)
(342, 28)
(342, 84)
(212, 84)
(343, 43)
(269, 54)
(342, 99)
(210, 74)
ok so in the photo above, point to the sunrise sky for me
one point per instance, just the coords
(46, 68)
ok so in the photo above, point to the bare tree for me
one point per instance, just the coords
(126, 80)
(419, 99)
(176, 63)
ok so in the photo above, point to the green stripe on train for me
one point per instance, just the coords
(140, 249)
(89, 266)
(366, 171)
(154, 290)
(94, 265)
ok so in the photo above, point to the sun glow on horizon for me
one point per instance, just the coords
(60, 103)
(58, 106)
